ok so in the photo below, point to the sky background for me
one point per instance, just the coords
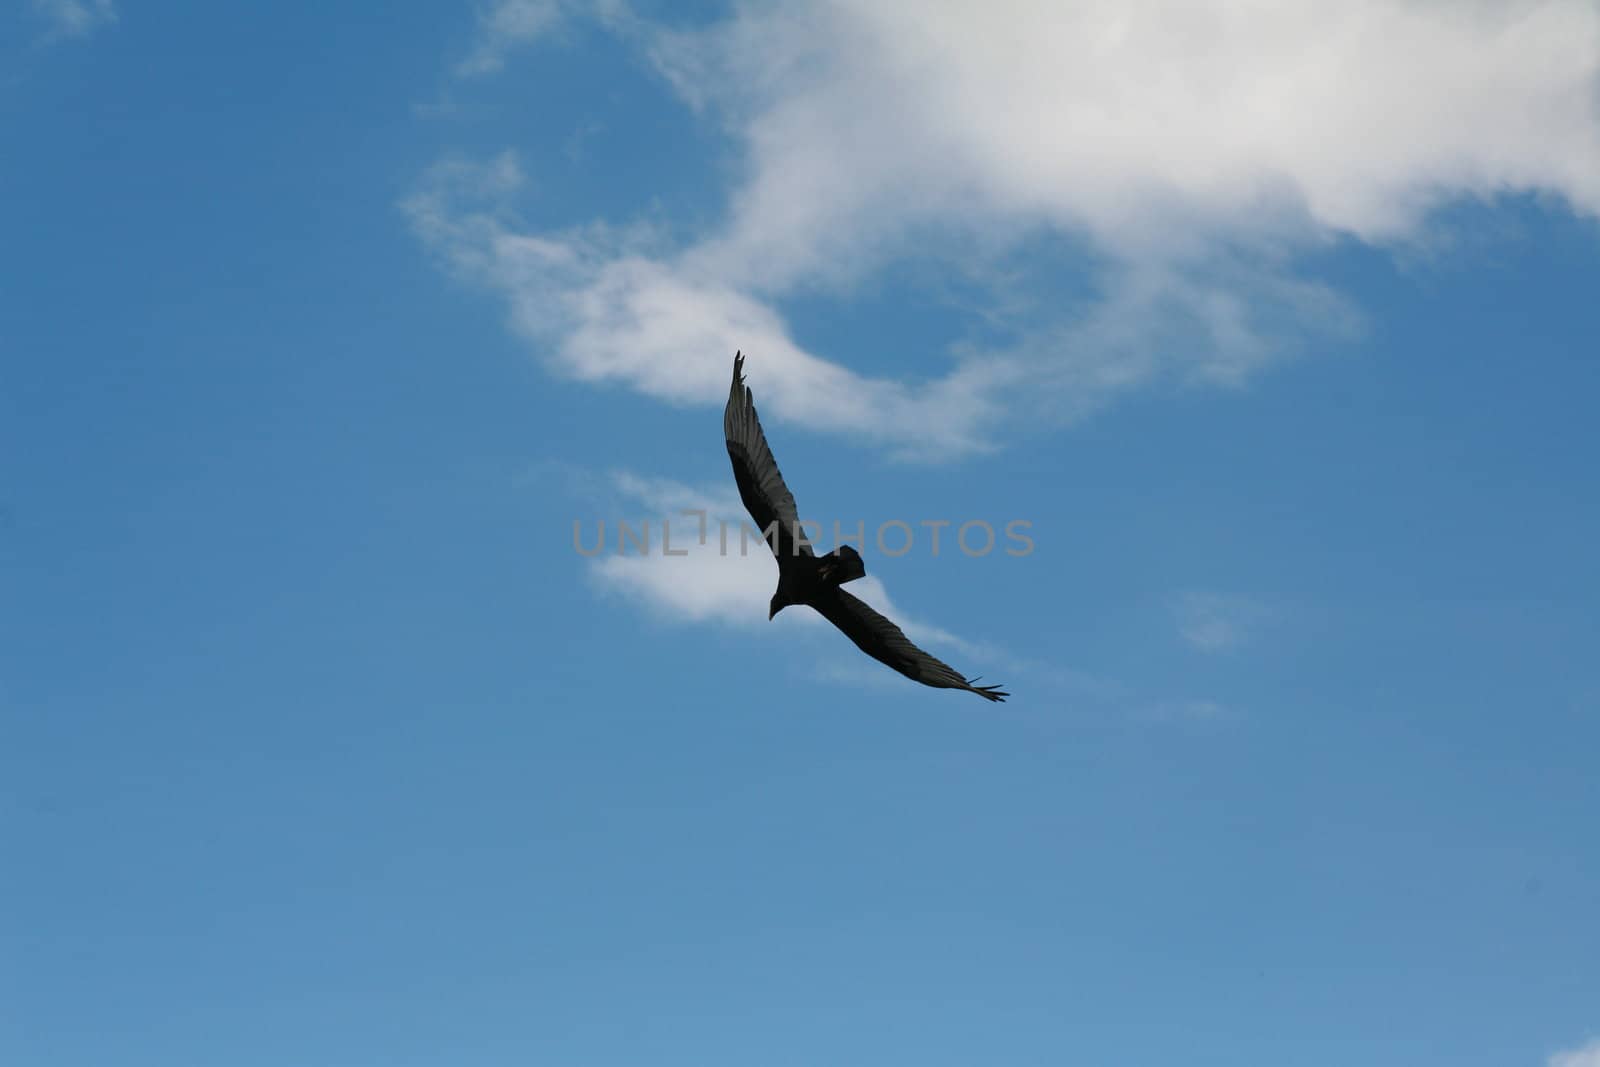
(321, 326)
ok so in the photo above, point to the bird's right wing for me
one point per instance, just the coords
(886, 643)
(761, 486)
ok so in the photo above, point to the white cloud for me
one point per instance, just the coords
(709, 586)
(507, 25)
(1217, 622)
(705, 585)
(724, 579)
(1584, 1056)
(604, 310)
(1191, 150)
(74, 18)
(1130, 117)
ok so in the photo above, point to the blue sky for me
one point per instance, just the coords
(321, 327)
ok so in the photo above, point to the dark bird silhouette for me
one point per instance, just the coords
(803, 576)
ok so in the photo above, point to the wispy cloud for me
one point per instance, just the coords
(1217, 622)
(76, 18)
(1195, 711)
(507, 25)
(854, 674)
(1192, 153)
(602, 309)
(709, 585)
(1583, 1056)
(720, 576)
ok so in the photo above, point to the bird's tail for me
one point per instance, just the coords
(842, 565)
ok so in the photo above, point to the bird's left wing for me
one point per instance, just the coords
(761, 485)
(885, 642)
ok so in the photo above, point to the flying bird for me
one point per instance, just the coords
(803, 576)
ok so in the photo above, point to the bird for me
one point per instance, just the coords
(804, 578)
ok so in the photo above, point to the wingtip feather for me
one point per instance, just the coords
(988, 692)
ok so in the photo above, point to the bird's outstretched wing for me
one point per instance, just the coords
(761, 486)
(884, 641)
